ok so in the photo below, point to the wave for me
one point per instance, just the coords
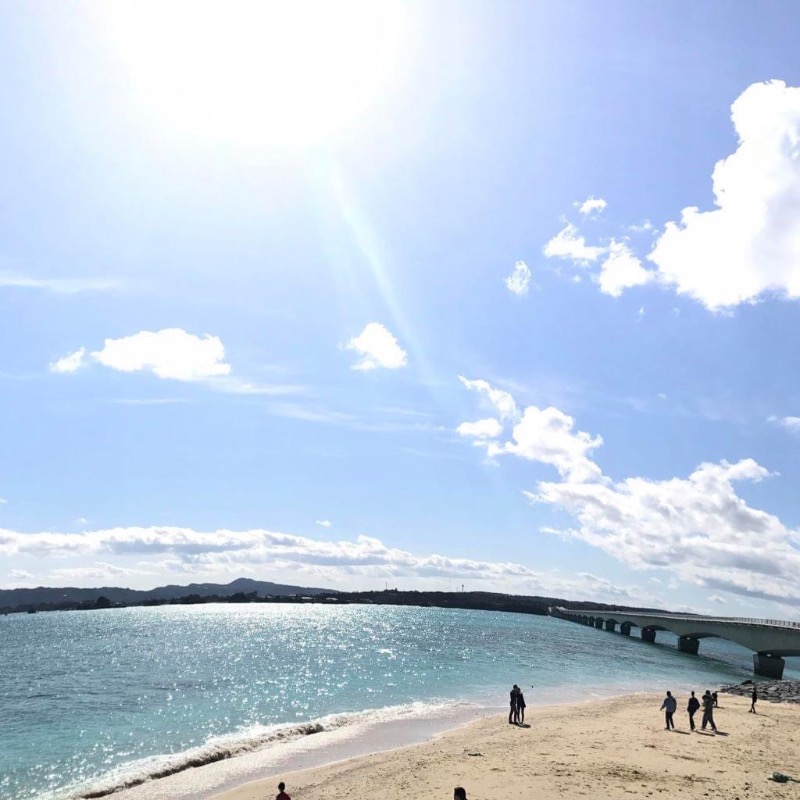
(248, 740)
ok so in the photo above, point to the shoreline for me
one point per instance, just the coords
(465, 741)
(333, 741)
(605, 748)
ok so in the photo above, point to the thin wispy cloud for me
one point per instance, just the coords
(59, 285)
(791, 424)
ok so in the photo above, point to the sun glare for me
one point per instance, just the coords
(258, 72)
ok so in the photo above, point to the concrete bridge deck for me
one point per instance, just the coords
(771, 640)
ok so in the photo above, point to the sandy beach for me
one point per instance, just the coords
(614, 748)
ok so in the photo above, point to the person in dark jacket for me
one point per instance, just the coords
(753, 700)
(668, 707)
(513, 711)
(520, 707)
(708, 711)
(694, 704)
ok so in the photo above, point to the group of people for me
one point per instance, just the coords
(708, 703)
(516, 714)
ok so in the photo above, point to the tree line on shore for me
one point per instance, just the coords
(245, 590)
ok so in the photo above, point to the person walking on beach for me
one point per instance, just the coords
(753, 700)
(714, 698)
(669, 707)
(282, 792)
(459, 793)
(708, 711)
(694, 704)
(513, 712)
(520, 707)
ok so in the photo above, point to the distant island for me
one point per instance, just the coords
(247, 590)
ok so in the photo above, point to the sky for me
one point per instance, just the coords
(493, 295)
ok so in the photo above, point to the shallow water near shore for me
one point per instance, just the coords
(95, 701)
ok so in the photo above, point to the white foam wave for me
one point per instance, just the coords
(247, 740)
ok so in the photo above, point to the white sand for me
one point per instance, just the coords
(609, 749)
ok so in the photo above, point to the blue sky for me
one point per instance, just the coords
(411, 294)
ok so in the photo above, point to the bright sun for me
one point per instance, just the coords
(258, 72)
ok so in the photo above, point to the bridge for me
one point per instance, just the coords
(770, 640)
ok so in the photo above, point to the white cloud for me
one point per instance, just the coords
(377, 347)
(697, 527)
(749, 245)
(621, 270)
(791, 424)
(102, 572)
(718, 598)
(324, 523)
(501, 401)
(591, 205)
(547, 436)
(571, 245)
(482, 429)
(365, 561)
(20, 575)
(3, 501)
(170, 353)
(58, 285)
(71, 363)
(519, 280)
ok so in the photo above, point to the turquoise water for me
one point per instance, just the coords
(95, 700)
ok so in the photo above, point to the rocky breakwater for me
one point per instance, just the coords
(774, 691)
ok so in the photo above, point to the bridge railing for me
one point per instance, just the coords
(780, 623)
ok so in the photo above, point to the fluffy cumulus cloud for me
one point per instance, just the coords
(569, 244)
(591, 205)
(377, 348)
(324, 523)
(519, 280)
(482, 429)
(171, 353)
(365, 562)
(621, 270)
(619, 267)
(749, 245)
(698, 527)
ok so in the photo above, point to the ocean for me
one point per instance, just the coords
(92, 702)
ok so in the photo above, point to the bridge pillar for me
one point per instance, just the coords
(686, 644)
(610, 625)
(625, 629)
(648, 635)
(585, 620)
(598, 622)
(768, 666)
